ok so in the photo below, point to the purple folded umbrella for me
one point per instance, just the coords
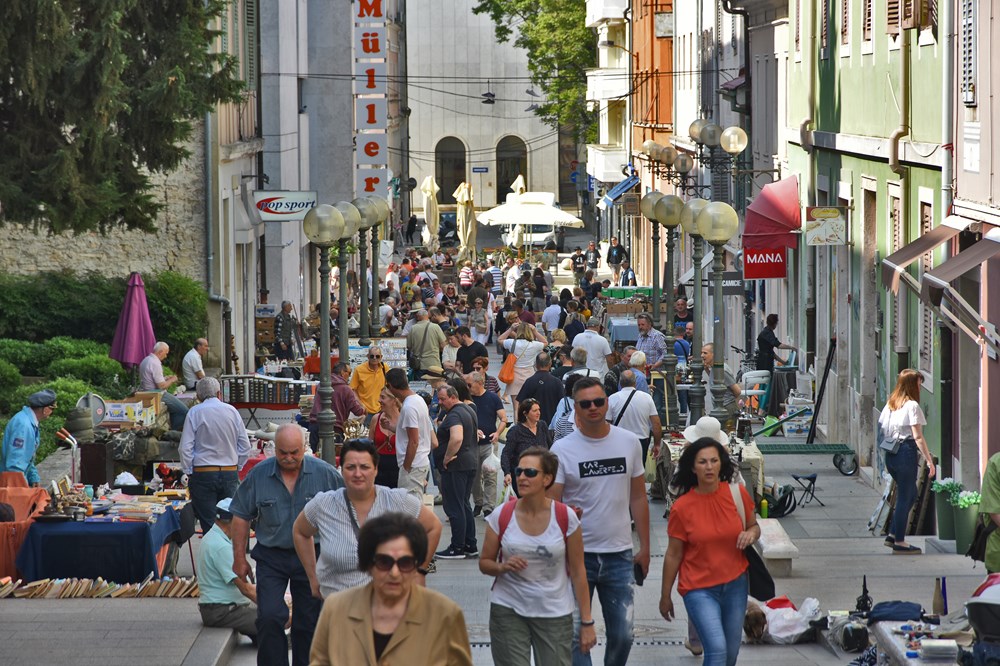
(134, 338)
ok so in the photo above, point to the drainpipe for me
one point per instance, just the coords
(947, 104)
(902, 328)
(227, 311)
(808, 53)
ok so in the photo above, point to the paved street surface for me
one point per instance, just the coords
(835, 551)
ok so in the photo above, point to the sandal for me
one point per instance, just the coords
(905, 550)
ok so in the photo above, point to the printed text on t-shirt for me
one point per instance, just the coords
(606, 467)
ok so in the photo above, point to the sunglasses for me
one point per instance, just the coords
(406, 563)
(529, 472)
(596, 402)
(374, 356)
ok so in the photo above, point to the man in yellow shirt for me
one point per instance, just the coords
(369, 380)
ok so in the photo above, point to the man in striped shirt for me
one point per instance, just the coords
(497, 287)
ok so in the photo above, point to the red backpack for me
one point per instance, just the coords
(507, 512)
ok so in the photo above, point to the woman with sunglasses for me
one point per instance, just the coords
(392, 618)
(482, 364)
(534, 549)
(479, 322)
(529, 432)
(336, 516)
(383, 435)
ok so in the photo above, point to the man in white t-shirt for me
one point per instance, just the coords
(601, 476)
(635, 411)
(598, 349)
(550, 317)
(413, 434)
(191, 366)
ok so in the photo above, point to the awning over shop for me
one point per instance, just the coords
(618, 190)
(774, 217)
(894, 266)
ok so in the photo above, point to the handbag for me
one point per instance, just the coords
(414, 357)
(506, 374)
(884, 442)
(760, 582)
(984, 528)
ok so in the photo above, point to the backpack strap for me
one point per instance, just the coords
(562, 517)
(506, 513)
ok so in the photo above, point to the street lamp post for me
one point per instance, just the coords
(689, 222)
(352, 222)
(668, 213)
(647, 206)
(383, 216)
(323, 226)
(718, 223)
(369, 218)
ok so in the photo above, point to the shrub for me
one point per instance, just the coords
(29, 358)
(10, 378)
(62, 347)
(97, 369)
(178, 307)
(68, 391)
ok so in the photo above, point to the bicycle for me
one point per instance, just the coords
(747, 364)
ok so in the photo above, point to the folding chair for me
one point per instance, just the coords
(808, 483)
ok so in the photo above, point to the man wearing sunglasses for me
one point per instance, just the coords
(601, 476)
(368, 381)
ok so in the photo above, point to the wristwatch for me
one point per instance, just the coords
(587, 624)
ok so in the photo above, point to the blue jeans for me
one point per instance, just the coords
(902, 467)
(717, 613)
(178, 410)
(611, 574)
(276, 567)
(682, 401)
(207, 489)
(456, 491)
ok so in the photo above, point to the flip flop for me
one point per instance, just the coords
(905, 550)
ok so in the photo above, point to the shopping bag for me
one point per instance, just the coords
(651, 466)
(492, 464)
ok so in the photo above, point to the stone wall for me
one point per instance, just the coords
(177, 245)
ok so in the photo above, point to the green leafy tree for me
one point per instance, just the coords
(560, 49)
(94, 98)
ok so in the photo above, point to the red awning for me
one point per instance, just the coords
(774, 217)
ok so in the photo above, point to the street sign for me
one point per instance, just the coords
(480, 169)
(764, 264)
(630, 203)
(732, 283)
(281, 205)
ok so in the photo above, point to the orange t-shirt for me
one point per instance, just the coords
(708, 525)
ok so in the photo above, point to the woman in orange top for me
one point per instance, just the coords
(706, 547)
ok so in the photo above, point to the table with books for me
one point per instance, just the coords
(126, 545)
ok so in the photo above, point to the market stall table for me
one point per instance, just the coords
(122, 552)
(623, 329)
(252, 407)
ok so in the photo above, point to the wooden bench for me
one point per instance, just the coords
(776, 547)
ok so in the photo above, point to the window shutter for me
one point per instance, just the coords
(892, 17)
(250, 53)
(798, 25)
(913, 13)
(825, 24)
(926, 354)
(968, 52)
(845, 21)
(866, 21)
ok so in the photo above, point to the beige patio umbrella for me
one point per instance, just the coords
(430, 191)
(518, 186)
(465, 221)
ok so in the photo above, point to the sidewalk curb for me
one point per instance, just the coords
(213, 646)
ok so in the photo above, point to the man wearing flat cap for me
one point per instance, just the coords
(22, 436)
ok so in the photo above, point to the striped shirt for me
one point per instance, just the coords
(337, 566)
(497, 279)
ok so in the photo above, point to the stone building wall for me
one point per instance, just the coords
(177, 245)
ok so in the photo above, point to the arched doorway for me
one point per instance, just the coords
(449, 167)
(512, 161)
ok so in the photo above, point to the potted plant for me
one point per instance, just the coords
(943, 490)
(966, 508)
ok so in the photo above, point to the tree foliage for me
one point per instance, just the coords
(560, 49)
(96, 96)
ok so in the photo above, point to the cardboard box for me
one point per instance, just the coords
(265, 337)
(624, 308)
(126, 412)
(264, 323)
(152, 399)
(266, 310)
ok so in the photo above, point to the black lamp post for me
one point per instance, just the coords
(689, 217)
(352, 222)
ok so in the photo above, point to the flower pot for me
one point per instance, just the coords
(945, 517)
(965, 527)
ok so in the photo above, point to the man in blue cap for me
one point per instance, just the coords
(22, 436)
(224, 600)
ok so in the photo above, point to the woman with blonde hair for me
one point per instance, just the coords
(525, 342)
(901, 426)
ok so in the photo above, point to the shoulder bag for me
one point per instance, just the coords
(760, 582)
(506, 374)
(413, 354)
(624, 407)
(984, 528)
(886, 443)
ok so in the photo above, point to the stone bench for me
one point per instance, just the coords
(776, 547)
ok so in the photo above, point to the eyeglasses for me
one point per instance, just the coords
(374, 356)
(529, 472)
(406, 563)
(596, 402)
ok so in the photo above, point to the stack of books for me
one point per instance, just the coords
(86, 588)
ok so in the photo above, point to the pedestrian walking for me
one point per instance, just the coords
(214, 447)
(22, 436)
(534, 549)
(413, 434)
(411, 228)
(529, 432)
(383, 434)
(902, 424)
(707, 538)
(456, 458)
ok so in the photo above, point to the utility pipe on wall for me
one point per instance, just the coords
(902, 320)
(227, 311)
(808, 62)
(947, 17)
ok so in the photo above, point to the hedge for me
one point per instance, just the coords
(106, 375)
(10, 378)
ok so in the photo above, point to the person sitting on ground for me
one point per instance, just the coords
(225, 600)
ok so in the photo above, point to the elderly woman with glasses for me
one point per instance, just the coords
(534, 549)
(391, 619)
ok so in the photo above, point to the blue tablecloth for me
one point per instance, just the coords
(623, 329)
(120, 552)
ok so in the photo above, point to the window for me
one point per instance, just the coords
(824, 25)
(449, 167)
(512, 161)
(892, 17)
(926, 344)
(898, 333)
(866, 20)
(250, 43)
(968, 48)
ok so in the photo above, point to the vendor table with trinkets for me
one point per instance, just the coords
(903, 643)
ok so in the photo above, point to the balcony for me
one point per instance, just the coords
(607, 83)
(604, 162)
(599, 11)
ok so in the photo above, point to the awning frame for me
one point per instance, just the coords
(618, 190)
(894, 265)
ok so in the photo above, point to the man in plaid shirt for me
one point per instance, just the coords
(651, 342)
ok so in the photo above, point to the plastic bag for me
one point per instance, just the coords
(651, 466)
(506, 494)
(786, 626)
(492, 464)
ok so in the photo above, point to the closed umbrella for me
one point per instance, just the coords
(518, 186)
(470, 231)
(430, 191)
(464, 220)
(134, 338)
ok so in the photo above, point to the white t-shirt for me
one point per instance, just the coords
(337, 566)
(636, 417)
(597, 350)
(543, 588)
(394, 276)
(191, 365)
(597, 476)
(550, 316)
(897, 423)
(414, 414)
(449, 355)
(525, 351)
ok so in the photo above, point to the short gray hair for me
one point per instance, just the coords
(160, 346)
(638, 360)
(207, 387)
(627, 379)
(449, 391)
(579, 355)
(477, 378)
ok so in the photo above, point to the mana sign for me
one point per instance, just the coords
(764, 264)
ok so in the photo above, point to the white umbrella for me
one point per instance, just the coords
(430, 191)
(470, 232)
(526, 212)
(518, 186)
(464, 221)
